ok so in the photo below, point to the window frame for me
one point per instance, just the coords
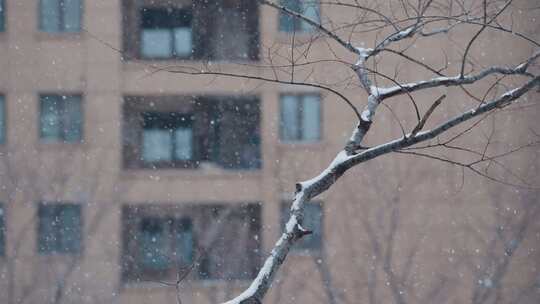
(61, 21)
(299, 100)
(132, 130)
(201, 50)
(44, 249)
(176, 162)
(61, 139)
(208, 138)
(172, 36)
(198, 213)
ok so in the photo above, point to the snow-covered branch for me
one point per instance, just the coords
(521, 69)
(353, 153)
(342, 162)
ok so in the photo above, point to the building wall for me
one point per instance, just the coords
(435, 206)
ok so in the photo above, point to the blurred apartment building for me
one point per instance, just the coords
(116, 176)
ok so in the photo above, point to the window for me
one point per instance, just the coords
(2, 16)
(2, 119)
(61, 118)
(313, 220)
(167, 137)
(59, 228)
(308, 8)
(185, 29)
(166, 33)
(160, 240)
(2, 231)
(300, 118)
(181, 132)
(60, 16)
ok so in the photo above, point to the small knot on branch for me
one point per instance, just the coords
(298, 187)
(364, 124)
(300, 232)
(304, 233)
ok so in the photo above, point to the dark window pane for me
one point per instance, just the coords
(184, 241)
(227, 30)
(72, 15)
(47, 229)
(72, 117)
(287, 23)
(167, 137)
(153, 244)
(60, 15)
(311, 117)
(152, 18)
(230, 38)
(238, 134)
(156, 43)
(61, 118)
(290, 126)
(308, 8)
(300, 118)
(50, 15)
(313, 220)
(183, 143)
(166, 32)
(157, 145)
(50, 118)
(69, 228)
(183, 41)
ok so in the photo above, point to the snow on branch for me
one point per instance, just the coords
(457, 80)
(342, 162)
(353, 153)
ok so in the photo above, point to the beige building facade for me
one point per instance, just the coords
(117, 174)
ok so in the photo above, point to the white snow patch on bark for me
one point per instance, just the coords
(371, 107)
